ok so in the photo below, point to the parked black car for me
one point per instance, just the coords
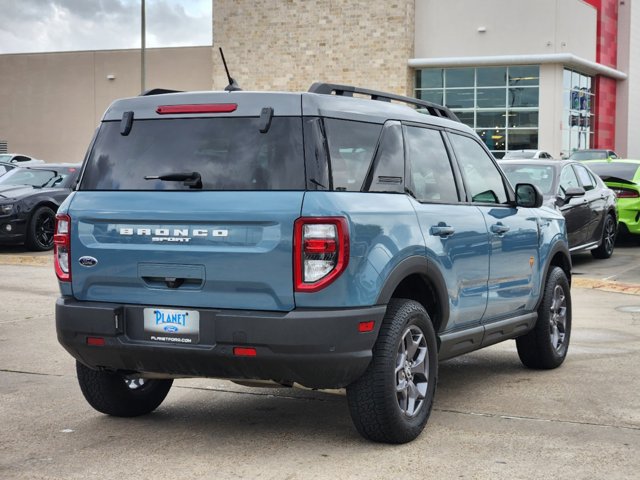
(29, 199)
(587, 204)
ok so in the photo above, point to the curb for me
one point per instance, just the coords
(606, 285)
(31, 260)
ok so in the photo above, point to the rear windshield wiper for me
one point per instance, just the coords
(191, 180)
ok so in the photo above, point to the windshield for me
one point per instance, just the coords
(35, 178)
(5, 158)
(540, 175)
(606, 170)
(588, 155)
(227, 153)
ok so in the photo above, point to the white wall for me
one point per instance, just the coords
(628, 98)
(449, 28)
(550, 115)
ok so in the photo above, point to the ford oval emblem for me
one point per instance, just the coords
(88, 261)
(171, 329)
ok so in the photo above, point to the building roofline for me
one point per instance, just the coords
(106, 50)
(568, 59)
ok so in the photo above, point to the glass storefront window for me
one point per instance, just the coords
(430, 78)
(491, 119)
(491, 97)
(467, 117)
(523, 119)
(492, 77)
(523, 97)
(578, 119)
(501, 103)
(433, 96)
(528, 75)
(459, 77)
(460, 98)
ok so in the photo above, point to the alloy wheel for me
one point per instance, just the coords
(412, 371)
(558, 318)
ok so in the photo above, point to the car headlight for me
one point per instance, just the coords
(6, 209)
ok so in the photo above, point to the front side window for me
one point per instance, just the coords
(568, 179)
(431, 175)
(227, 154)
(482, 177)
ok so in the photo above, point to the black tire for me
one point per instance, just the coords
(546, 346)
(376, 399)
(40, 230)
(607, 243)
(111, 393)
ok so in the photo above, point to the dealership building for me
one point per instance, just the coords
(554, 75)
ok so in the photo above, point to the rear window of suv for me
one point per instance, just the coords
(228, 153)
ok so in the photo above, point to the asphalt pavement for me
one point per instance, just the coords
(492, 418)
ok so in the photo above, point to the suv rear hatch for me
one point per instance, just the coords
(177, 208)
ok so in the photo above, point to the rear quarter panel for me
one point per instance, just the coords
(383, 231)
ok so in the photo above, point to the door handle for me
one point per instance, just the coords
(442, 230)
(499, 228)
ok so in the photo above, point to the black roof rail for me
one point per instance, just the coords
(158, 91)
(348, 91)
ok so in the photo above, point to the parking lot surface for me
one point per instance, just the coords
(492, 418)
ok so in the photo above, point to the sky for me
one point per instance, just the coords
(66, 25)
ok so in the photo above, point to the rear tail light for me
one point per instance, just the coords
(626, 193)
(62, 247)
(321, 251)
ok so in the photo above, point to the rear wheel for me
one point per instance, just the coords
(605, 249)
(40, 229)
(546, 346)
(114, 394)
(392, 400)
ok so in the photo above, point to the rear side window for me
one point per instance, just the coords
(431, 175)
(351, 148)
(228, 153)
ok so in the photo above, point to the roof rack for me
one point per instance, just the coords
(158, 91)
(348, 91)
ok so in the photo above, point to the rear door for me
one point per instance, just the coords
(214, 231)
(455, 233)
(595, 203)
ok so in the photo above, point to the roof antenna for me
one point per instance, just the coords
(233, 86)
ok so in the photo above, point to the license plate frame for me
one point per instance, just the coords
(172, 325)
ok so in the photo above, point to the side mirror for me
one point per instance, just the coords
(573, 192)
(528, 195)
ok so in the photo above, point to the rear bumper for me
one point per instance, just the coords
(315, 348)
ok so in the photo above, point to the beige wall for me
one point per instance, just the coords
(515, 27)
(289, 44)
(50, 103)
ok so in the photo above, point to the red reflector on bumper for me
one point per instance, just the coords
(366, 326)
(244, 351)
(95, 341)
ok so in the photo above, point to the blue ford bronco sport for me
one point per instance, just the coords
(323, 238)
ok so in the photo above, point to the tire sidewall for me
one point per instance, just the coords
(419, 318)
(555, 278)
(32, 241)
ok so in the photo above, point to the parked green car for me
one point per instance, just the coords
(623, 177)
